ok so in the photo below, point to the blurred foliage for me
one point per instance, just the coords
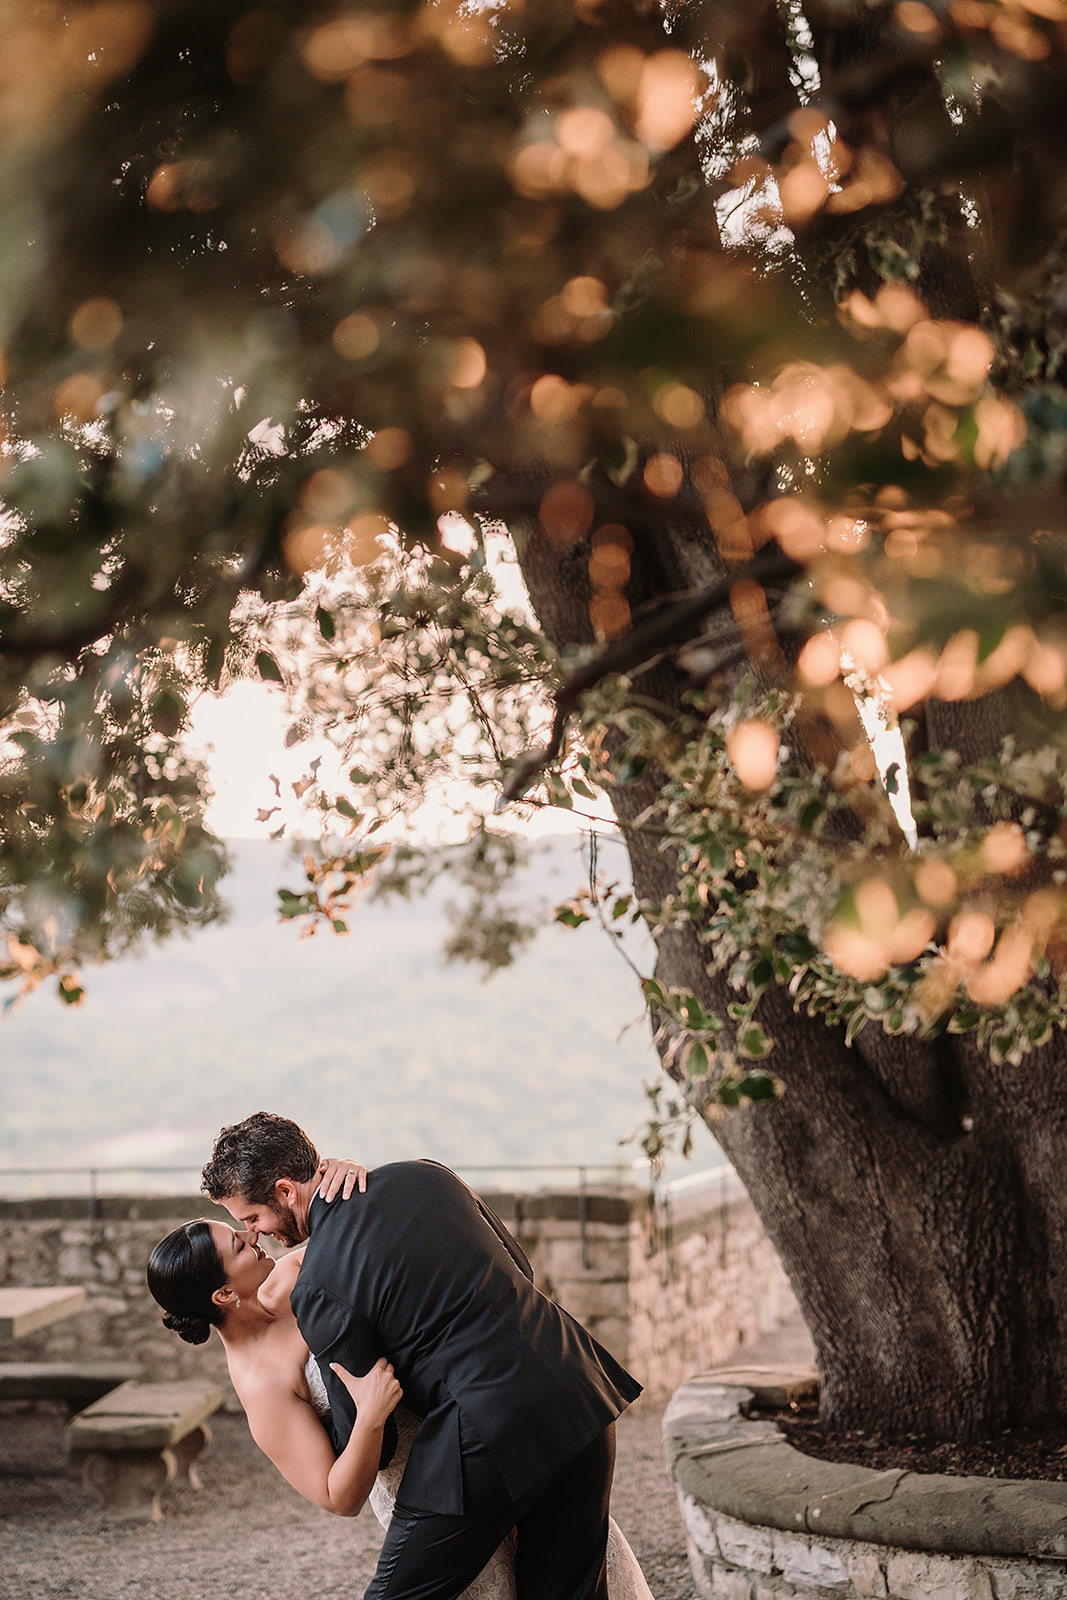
(958, 930)
(747, 324)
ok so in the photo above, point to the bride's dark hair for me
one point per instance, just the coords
(184, 1271)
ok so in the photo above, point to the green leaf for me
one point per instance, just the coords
(293, 905)
(268, 668)
(652, 1144)
(1000, 1045)
(762, 973)
(347, 809)
(856, 1022)
(71, 991)
(629, 769)
(811, 813)
(754, 1043)
(327, 626)
(697, 1060)
(718, 856)
(759, 1086)
(570, 916)
(799, 948)
(692, 1010)
(558, 793)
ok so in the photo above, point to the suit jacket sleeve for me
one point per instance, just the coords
(335, 1331)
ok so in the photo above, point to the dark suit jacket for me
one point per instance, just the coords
(420, 1270)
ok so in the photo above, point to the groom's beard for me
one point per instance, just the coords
(288, 1231)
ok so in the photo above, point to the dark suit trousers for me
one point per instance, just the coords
(562, 1533)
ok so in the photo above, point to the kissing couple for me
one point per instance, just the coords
(494, 1476)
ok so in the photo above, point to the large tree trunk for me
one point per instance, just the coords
(912, 1189)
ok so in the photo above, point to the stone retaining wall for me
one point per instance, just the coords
(670, 1285)
(764, 1522)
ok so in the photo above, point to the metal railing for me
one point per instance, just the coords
(580, 1177)
(95, 1185)
(137, 1177)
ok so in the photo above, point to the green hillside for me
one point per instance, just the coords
(371, 1041)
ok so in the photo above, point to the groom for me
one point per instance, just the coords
(518, 1400)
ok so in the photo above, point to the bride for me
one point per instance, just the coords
(207, 1275)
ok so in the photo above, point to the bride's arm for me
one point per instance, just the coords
(274, 1292)
(289, 1433)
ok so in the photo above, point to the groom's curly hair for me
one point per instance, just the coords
(250, 1156)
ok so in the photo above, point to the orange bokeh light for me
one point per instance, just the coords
(666, 99)
(566, 514)
(664, 476)
(752, 747)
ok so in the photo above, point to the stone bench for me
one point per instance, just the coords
(133, 1441)
(76, 1382)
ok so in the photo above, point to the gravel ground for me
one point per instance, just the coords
(248, 1535)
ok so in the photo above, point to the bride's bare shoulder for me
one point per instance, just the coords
(275, 1291)
(270, 1372)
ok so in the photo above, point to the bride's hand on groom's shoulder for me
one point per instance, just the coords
(376, 1394)
(341, 1178)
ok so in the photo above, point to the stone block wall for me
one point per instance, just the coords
(61, 1241)
(705, 1281)
(670, 1284)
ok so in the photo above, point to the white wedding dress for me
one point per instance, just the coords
(497, 1580)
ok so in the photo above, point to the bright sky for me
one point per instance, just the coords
(243, 735)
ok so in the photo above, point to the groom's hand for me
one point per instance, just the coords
(341, 1177)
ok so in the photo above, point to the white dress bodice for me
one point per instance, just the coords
(316, 1388)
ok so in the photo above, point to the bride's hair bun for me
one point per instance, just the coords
(184, 1271)
(194, 1330)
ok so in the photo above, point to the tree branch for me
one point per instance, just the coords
(633, 650)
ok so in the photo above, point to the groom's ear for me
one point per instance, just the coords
(285, 1191)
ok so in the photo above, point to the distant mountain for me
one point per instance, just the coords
(374, 1044)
